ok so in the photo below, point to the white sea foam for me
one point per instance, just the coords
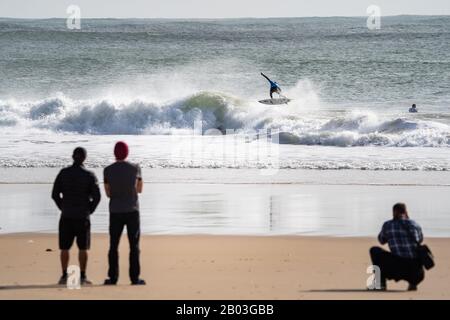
(296, 123)
(311, 134)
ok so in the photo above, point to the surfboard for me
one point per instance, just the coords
(275, 101)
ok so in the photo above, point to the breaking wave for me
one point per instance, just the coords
(369, 130)
(217, 110)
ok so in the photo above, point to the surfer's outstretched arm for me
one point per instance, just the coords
(266, 77)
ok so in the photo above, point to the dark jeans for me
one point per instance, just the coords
(397, 268)
(117, 221)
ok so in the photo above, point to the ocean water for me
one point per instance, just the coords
(149, 82)
(237, 209)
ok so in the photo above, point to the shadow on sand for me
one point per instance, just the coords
(41, 286)
(354, 291)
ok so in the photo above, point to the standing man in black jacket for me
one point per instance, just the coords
(76, 193)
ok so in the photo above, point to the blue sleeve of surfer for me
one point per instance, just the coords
(273, 84)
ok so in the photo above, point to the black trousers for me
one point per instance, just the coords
(117, 222)
(397, 268)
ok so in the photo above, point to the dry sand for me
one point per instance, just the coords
(215, 267)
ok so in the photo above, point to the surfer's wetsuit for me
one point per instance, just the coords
(413, 109)
(274, 87)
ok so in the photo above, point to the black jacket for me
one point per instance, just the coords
(76, 192)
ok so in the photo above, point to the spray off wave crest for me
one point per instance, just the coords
(134, 117)
(294, 123)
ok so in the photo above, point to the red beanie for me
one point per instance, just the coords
(121, 150)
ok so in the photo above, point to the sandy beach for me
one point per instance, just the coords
(215, 267)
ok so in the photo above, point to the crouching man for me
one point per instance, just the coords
(403, 236)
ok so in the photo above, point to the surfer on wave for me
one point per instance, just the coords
(274, 87)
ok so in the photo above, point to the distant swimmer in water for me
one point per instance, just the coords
(274, 87)
(413, 109)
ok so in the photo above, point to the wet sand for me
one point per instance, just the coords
(215, 267)
(242, 209)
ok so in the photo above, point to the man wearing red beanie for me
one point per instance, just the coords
(123, 182)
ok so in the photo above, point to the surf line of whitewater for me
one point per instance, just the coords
(305, 183)
(218, 111)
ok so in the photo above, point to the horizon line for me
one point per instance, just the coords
(226, 18)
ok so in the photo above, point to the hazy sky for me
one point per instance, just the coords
(217, 8)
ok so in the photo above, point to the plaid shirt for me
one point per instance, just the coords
(400, 241)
